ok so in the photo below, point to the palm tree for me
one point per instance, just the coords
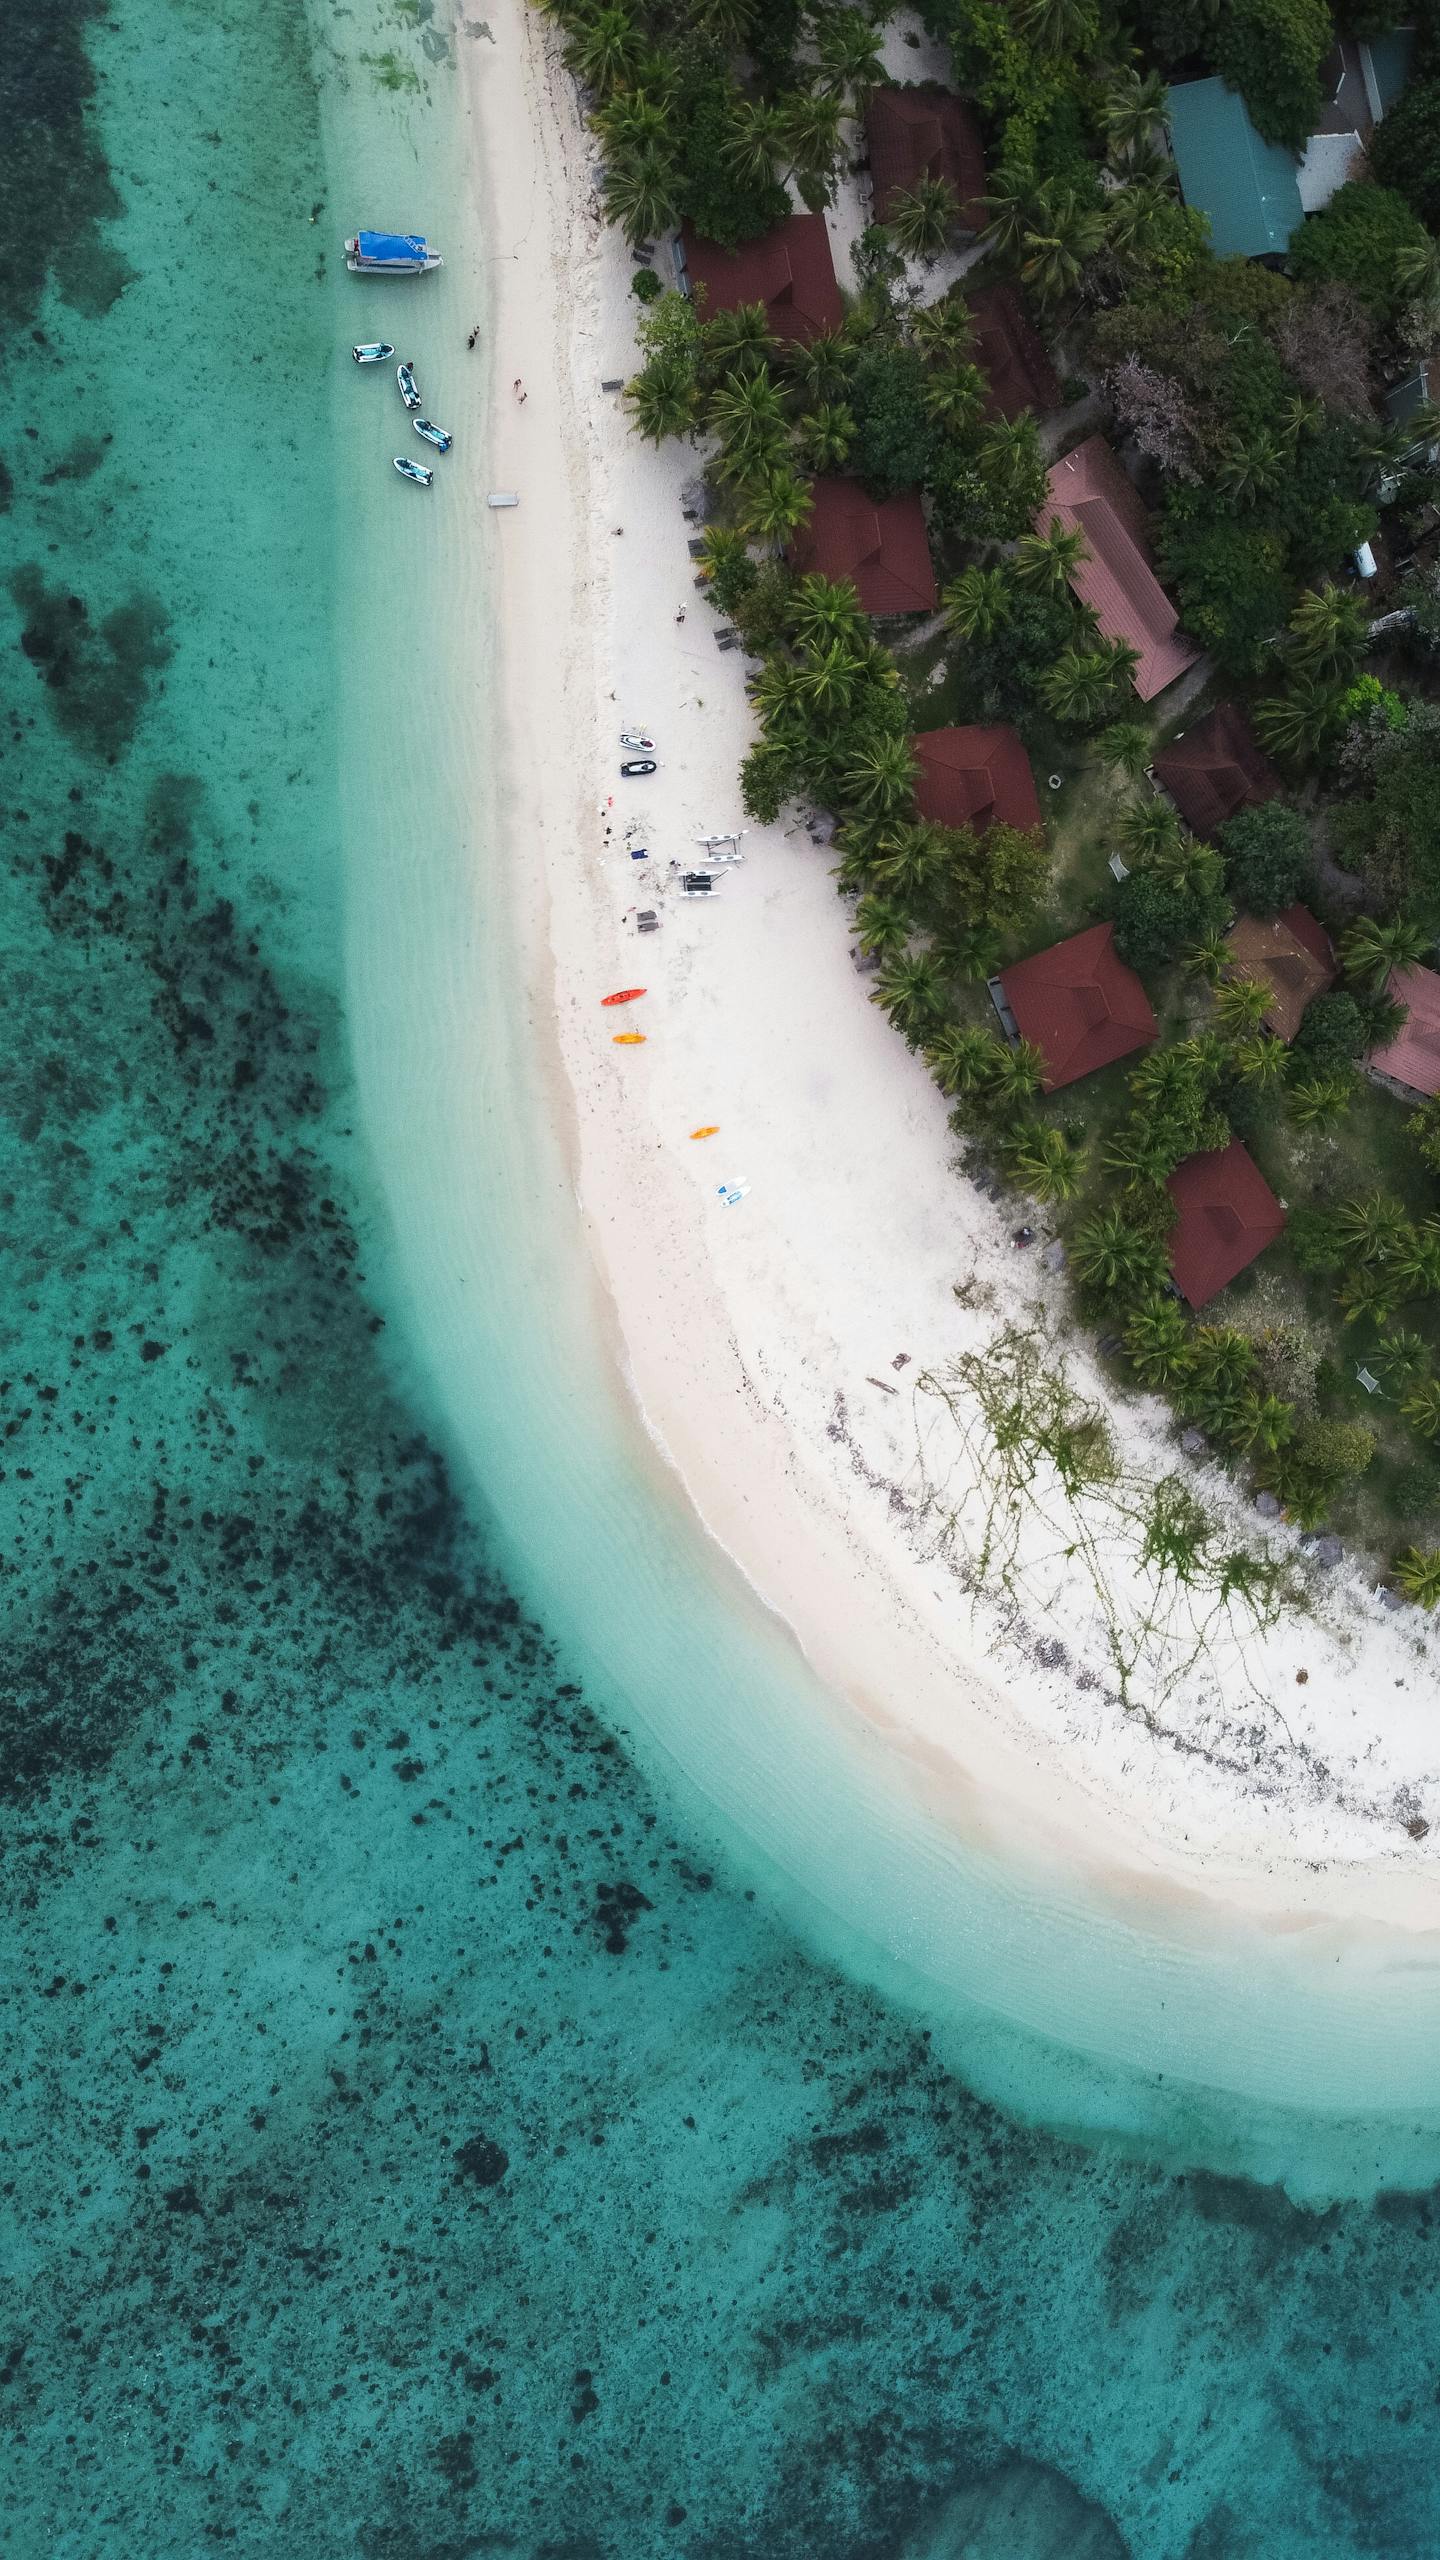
(1210, 957)
(1371, 1294)
(912, 991)
(722, 547)
(1157, 1342)
(1300, 725)
(978, 603)
(1418, 1261)
(1050, 560)
(738, 342)
(1261, 1062)
(1373, 946)
(1299, 417)
(1147, 829)
(882, 925)
(1246, 469)
(823, 609)
(820, 366)
(809, 125)
(1262, 1421)
(828, 676)
(1402, 1356)
(778, 695)
(1125, 747)
(1421, 1407)
(1058, 238)
(962, 1058)
(1314, 1101)
(921, 217)
(1241, 1005)
(1417, 1572)
(606, 49)
(968, 951)
(824, 437)
(911, 862)
(1008, 205)
(642, 195)
(632, 121)
(663, 398)
(1328, 631)
(747, 413)
(1141, 1151)
(882, 777)
(953, 395)
(1077, 687)
(1376, 1229)
(849, 49)
(1047, 1162)
(754, 142)
(1116, 1259)
(1121, 661)
(777, 504)
(941, 331)
(1131, 108)
(1018, 1070)
(1055, 26)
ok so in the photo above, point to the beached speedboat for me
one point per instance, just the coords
(379, 353)
(441, 439)
(409, 389)
(409, 470)
(390, 253)
(633, 738)
(638, 764)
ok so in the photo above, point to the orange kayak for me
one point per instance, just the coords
(629, 1039)
(712, 1132)
(626, 995)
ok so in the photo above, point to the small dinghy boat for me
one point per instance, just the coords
(623, 995)
(409, 470)
(390, 253)
(440, 437)
(380, 353)
(409, 391)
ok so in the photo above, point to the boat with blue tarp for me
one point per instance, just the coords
(390, 253)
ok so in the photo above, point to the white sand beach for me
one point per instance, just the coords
(1287, 1771)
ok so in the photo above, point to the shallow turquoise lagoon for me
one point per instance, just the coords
(422, 2134)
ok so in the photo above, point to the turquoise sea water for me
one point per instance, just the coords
(418, 2138)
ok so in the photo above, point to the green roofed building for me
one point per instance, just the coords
(1246, 187)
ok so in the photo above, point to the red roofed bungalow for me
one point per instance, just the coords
(1292, 955)
(1079, 1004)
(1089, 491)
(1010, 354)
(1413, 1056)
(1214, 769)
(925, 133)
(975, 778)
(789, 269)
(880, 546)
(1227, 1214)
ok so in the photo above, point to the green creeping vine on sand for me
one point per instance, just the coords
(1041, 1453)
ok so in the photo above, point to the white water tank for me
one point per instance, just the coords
(1365, 561)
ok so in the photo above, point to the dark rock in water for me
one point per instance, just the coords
(481, 2160)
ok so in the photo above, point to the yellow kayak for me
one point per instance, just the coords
(712, 1132)
(628, 1039)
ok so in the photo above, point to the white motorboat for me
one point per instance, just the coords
(409, 470)
(379, 353)
(390, 253)
(440, 437)
(409, 388)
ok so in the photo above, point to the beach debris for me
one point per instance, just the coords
(1323, 1549)
(623, 995)
(629, 1039)
(884, 1385)
(710, 1130)
(695, 501)
(901, 1360)
(613, 382)
(865, 962)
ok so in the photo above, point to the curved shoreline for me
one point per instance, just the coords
(1078, 1958)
